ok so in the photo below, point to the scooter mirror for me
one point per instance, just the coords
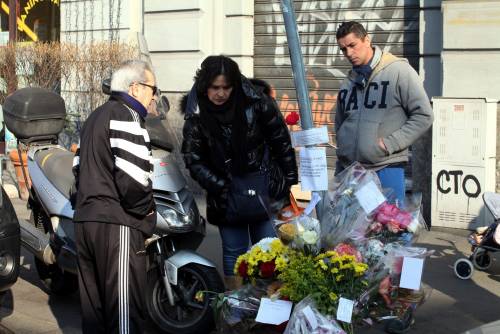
(106, 86)
(163, 106)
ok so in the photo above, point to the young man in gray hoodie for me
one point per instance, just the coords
(382, 108)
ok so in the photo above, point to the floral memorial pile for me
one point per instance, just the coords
(354, 266)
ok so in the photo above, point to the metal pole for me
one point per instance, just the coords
(299, 73)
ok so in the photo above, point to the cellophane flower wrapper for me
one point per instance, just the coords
(300, 233)
(390, 299)
(341, 214)
(391, 223)
(240, 307)
(305, 315)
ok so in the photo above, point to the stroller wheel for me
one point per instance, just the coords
(463, 268)
(481, 259)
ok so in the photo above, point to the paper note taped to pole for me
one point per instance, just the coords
(310, 137)
(313, 169)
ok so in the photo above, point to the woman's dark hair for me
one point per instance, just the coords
(346, 28)
(212, 67)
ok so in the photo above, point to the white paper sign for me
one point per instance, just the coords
(310, 137)
(411, 274)
(315, 198)
(274, 312)
(344, 311)
(369, 197)
(310, 317)
(313, 172)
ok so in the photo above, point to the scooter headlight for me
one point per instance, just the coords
(171, 217)
(175, 219)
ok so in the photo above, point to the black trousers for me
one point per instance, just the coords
(111, 277)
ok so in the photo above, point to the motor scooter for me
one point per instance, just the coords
(175, 271)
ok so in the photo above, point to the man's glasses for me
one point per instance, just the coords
(154, 88)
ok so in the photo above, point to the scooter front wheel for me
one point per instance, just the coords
(188, 315)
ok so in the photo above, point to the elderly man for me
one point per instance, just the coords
(382, 109)
(114, 210)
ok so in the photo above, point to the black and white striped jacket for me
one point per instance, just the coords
(113, 167)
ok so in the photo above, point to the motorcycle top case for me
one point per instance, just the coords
(34, 112)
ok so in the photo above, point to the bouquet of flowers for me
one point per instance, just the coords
(236, 311)
(342, 214)
(300, 233)
(393, 224)
(325, 277)
(266, 259)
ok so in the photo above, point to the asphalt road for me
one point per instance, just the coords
(454, 306)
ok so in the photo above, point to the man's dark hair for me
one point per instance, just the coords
(345, 28)
(212, 67)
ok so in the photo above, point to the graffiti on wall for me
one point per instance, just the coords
(317, 23)
(452, 181)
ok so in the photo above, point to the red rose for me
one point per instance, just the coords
(292, 118)
(243, 269)
(267, 269)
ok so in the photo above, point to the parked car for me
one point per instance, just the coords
(10, 244)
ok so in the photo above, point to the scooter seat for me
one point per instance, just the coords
(57, 166)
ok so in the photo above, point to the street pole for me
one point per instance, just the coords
(298, 69)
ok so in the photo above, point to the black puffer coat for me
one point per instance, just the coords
(265, 126)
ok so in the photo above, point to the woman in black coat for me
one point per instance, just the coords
(234, 129)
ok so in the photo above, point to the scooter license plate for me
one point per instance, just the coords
(171, 272)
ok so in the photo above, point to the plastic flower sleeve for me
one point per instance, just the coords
(341, 210)
(300, 233)
(306, 319)
(390, 223)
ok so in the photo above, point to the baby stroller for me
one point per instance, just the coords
(484, 241)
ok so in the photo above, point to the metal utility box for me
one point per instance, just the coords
(464, 140)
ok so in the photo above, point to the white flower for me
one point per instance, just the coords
(265, 244)
(310, 237)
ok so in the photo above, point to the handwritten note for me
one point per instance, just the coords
(310, 137)
(411, 274)
(344, 311)
(313, 172)
(369, 197)
(274, 312)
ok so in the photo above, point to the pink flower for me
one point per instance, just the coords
(376, 227)
(391, 214)
(386, 213)
(393, 226)
(404, 219)
(346, 249)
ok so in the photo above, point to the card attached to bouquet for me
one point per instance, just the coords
(310, 317)
(411, 274)
(315, 198)
(274, 312)
(313, 169)
(369, 197)
(344, 310)
(310, 137)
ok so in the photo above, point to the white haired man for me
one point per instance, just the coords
(114, 209)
